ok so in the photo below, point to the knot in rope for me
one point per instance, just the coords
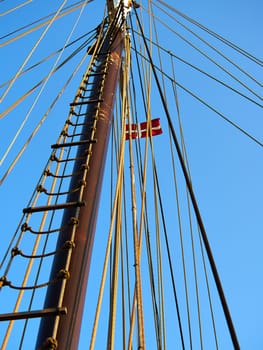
(4, 282)
(69, 245)
(50, 344)
(63, 274)
(15, 251)
(74, 221)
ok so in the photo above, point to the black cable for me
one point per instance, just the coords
(41, 19)
(194, 202)
(202, 71)
(212, 47)
(171, 273)
(215, 35)
(206, 104)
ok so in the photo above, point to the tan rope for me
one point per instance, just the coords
(42, 24)
(35, 131)
(15, 8)
(107, 253)
(32, 51)
(30, 263)
(45, 81)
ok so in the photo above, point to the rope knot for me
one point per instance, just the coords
(69, 245)
(63, 274)
(50, 344)
(4, 282)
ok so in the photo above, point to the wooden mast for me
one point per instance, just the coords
(63, 332)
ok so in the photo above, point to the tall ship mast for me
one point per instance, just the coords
(135, 232)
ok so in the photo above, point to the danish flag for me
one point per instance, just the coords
(135, 131)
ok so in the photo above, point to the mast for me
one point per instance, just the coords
(156, 263)
(74, 263)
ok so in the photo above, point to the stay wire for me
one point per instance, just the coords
(188, 199)
(149, 245)
(30, 91)
(4, 94)
(161, 205)
(46, 58)
(195, 206)
(142, 179)
(141, 67)
(158, 236)
(212, 47)
(147, 232)
(53, 70)
(34, 132)
(204, 72)
(62, 14)
(39, 20)
(188, 205)
(209, 106)
(146, 219)
(15, 8)
(214, 34)
(210, 59)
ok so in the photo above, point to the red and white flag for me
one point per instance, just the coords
(139, 130)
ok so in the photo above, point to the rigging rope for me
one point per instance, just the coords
(44, 81)
(83, 3)
(188, 199)
(55, 53)
(203, 72)
(195, 205)
(158, 254)
(39, 20)
(209, 106)
(210, 59)
(214, 34)
(212, 47)
(32, 51)
(15, 8)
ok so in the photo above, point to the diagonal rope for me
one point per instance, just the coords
(209, 106)
(204, 73)
(212, 47)
(209, 58)
(45, 81)
(32, 51)
(15, 8)
(214, 34)
(196, 208)
(43, 23)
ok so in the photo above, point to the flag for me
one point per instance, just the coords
(139, 130)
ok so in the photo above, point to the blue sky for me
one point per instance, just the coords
(226, 165)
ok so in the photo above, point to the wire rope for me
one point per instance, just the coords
(42, 25)
(197, 212)
(145, 92)
(46, 58)
(210, 59)
(142, 177)
(45, 81)
(15, 8)
(178, 215)
(212, 47)
(254, 139)
(204, 72)
(39, 20)
(214, 34)
(32, 51)
(33, 134)
(188, 199)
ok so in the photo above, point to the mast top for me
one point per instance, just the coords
(127, 4)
